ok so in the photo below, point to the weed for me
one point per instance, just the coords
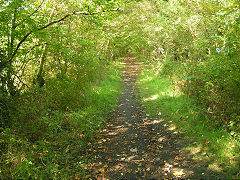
(160, 97)
(50, 141)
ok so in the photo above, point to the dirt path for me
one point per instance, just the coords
(135, 146)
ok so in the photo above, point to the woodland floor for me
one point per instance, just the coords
(136, 146)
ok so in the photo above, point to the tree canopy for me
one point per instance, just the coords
(60, 61)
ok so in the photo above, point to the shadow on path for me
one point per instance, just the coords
(135, 146)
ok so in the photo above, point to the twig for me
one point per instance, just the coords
(54, 22)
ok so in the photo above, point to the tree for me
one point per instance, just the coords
(24, 24)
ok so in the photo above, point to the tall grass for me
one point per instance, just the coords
(49, 139)
(161, 97)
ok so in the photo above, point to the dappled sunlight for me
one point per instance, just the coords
(171, 128)
(213, 149)
(115, 130)
(215, 167)
(157, 156)
(153, 122)
(162, 95)
(119, 89)
(170, 93)
(162, 139)
(147, 79)
(193, 150)
(136, 145)
(175, 171)
(121, 130)
(97, 90)
(154, 97)
(198, 151)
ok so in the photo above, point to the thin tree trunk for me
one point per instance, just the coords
(11, 89)
(40, 79)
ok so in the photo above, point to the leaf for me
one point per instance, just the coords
(207, 142)
(133, 150)
(178, 173)
(101, 170)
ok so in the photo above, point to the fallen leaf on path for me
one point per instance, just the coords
(88, 176)
(207, 142)
(101, 170)
(117, 167)
(178, 173)
(161, 139)
(133, 149)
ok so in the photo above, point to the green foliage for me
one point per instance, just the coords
(28, 28)
(46, 126)
(194, 49)
(54, 42)
(70, 46)
(162, 99)
(197, 45)
(48, 141)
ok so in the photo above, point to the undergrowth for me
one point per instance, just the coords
(49, 138)
(161, 95)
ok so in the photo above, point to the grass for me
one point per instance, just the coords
(209, 143)
(47, 142)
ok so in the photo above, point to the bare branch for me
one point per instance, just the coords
(77, 13)
(97, 12)
(31, 14)
(18, 46)
(37, 8)
(54, 22)
(21, 81)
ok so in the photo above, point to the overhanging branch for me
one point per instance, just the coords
(37, 9)
(55, 22)
(31, 14)
(77, 13)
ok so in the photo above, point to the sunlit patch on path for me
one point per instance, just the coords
(136, 146)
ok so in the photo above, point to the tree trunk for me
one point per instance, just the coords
(40, 80)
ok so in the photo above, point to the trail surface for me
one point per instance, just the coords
(135, 146)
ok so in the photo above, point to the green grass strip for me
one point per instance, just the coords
(207, 142)
(55, 144)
